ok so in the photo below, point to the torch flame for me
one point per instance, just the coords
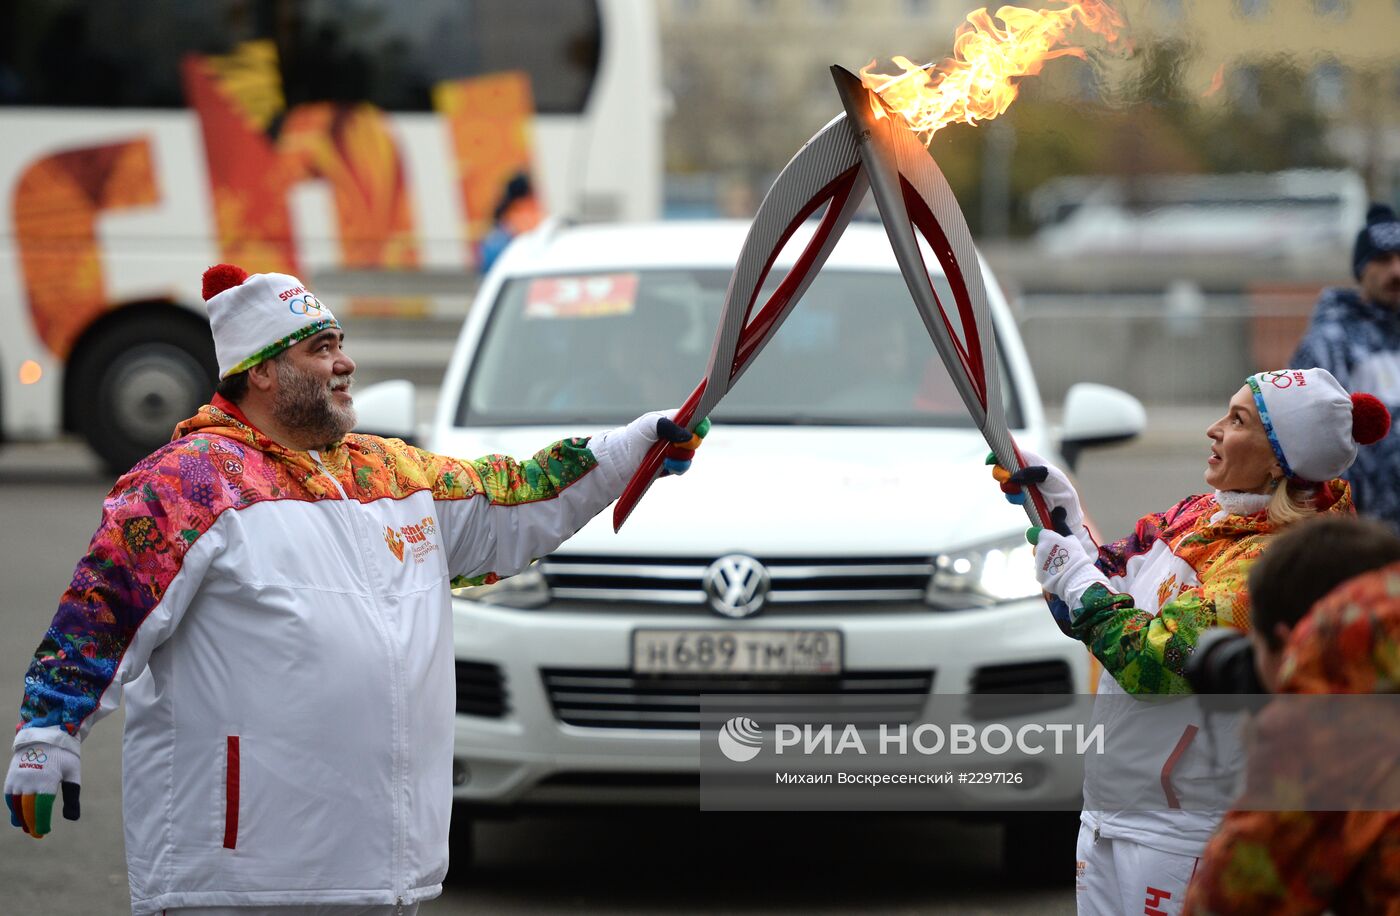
(978, 82)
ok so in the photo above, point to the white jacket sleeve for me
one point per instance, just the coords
(500, 514)
(128, 593)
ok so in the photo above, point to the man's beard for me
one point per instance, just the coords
(306, 405)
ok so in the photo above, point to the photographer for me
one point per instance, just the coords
(1344, 861)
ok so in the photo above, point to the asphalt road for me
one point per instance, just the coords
(682, 862)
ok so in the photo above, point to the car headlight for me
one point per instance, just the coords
(523, 590)
(984, 575)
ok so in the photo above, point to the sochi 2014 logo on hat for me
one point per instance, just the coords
(301, 301)
(1286, 379)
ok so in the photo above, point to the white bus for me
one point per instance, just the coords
(143, 140)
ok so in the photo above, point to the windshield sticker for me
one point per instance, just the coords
(591, 296)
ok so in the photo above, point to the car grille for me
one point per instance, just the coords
(481, 690)
(801, 584)
(609, 698)
(1026, 677)
(1020, 689)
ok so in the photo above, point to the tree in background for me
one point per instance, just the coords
(1141, 122)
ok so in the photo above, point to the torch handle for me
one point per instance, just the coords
(1037, 509)
(650, 468)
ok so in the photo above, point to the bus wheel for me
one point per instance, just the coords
(136, 380)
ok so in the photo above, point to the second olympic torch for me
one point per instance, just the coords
(911, 193)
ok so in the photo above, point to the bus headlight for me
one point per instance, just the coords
(984, 575)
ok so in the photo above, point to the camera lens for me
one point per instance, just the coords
(1223, 663)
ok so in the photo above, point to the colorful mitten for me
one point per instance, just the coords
(683, 444)
(1066, 516)
(37, 773)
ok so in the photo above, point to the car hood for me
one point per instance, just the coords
(797, 491)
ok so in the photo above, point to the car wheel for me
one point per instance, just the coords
(1037, 847)
(133, 383)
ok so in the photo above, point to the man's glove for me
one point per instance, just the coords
(637, 437)
(37, 773)
(1065, 571)
(683, 444)
(1066, 516)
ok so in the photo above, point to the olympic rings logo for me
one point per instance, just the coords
(34, 755)
(305, 305)
(1284, 379)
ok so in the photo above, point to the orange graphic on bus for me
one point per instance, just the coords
(256, 151)
(489, 119)
(56, 204)
(254, 161)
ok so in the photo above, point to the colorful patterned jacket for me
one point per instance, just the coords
(1359, 343)
(1179, 573)
(281, 624)
(1295, 862)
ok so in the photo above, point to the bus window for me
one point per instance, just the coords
(393, 54)
(388, 54)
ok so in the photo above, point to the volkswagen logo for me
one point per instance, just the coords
(737, 585)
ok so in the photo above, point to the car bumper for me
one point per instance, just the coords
(528, 757)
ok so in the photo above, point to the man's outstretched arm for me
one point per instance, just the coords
(499, 514)
(127, 594)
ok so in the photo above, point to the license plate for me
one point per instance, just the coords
(736, 651)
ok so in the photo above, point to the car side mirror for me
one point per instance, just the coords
(386, 409)
(1098, 415)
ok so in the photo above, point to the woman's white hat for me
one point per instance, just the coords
(1313, 424)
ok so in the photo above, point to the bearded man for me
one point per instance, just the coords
(272, 593)
(1355, 335)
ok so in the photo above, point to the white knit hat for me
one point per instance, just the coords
(1313, 424)
(256, 317)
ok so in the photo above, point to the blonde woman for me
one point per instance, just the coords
(1140, 604)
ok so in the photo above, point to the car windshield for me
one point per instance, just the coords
(603, 348)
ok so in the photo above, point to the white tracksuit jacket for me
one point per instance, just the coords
(281, 624)
(1179, 573)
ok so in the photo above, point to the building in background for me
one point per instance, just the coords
(1223, 114)
(749, 82)
(1232, 85)
(1342, 52)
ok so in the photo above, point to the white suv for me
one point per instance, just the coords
(838, 533)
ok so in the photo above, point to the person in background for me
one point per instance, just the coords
(1326, 608)
(1355, 335)
(271, 592)
(518, 212)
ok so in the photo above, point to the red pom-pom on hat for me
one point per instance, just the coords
(221, 277)
(1370, 421)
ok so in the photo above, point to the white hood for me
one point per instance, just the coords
(780, 491)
